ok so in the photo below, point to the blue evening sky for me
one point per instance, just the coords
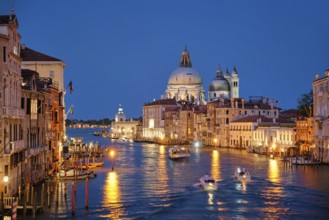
(123, 52)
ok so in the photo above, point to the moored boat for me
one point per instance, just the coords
(72, 174)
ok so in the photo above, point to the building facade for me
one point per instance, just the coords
(305, 135)
(321, 116)
(11, 117)
(51, 68)
(153, 118)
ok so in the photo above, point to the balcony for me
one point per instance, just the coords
(16, 146)
(37, 150)
(12, 112)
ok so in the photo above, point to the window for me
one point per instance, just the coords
(4, 54)
(28, 106)
(51, 74)
(39, 106)
(22, 103)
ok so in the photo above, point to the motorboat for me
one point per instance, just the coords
(179, 152)
(242, 175)
(72, 174)
(207, 182)
(122, 140)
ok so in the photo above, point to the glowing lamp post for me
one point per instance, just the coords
(112, 154)
(215, 142)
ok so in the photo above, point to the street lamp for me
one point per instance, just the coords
(215, 140)
(6, 179)
(112, 153)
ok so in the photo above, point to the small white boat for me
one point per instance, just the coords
(122, 140)
(78, 174)
(242, 175)
(179, 152)
(208, 182)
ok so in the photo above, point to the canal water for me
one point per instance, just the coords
(146, 184)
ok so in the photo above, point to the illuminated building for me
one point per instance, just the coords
(321, 116)
(50, 68)
(11, 131)
(274, 135)
(122, 127)
(36, 102)
(153, 118)
(185, 83)
(305, 135)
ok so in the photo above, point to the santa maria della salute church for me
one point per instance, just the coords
(185, 83)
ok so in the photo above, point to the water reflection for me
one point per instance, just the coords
(112, 196)
(273, 171)
(273, 192)
(162, 176)
(241, 186)
(210, 198)
(215, 165)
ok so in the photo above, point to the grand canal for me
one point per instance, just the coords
(145, 184)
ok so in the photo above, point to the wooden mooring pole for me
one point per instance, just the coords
(86, 193)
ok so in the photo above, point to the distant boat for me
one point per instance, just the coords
(301, 161)
(179, 153)
(97, 133)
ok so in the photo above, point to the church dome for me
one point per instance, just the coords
(219, 83)
(185, 74)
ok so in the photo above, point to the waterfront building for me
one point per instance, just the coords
(122, 127)
(36, 101)
(275, 136)
(11, 131)
(222, 111)
(185, 83)
(200, 123)
(241, 131)
(179, 123)
(49, 67)
(305, 135)
(171, 125)
(153, 118)
(321, 116)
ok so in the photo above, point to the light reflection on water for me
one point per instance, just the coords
(112, 196)
(146, 184)
(215, 165)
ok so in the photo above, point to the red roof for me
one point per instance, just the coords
(28, 54)
(162, 102)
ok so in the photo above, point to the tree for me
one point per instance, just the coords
(305, 103)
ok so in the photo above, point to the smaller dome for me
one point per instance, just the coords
(219, 83)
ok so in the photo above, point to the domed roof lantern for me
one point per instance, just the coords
(185, 60)
(227, 73)
(219, 73)
(235, 71)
